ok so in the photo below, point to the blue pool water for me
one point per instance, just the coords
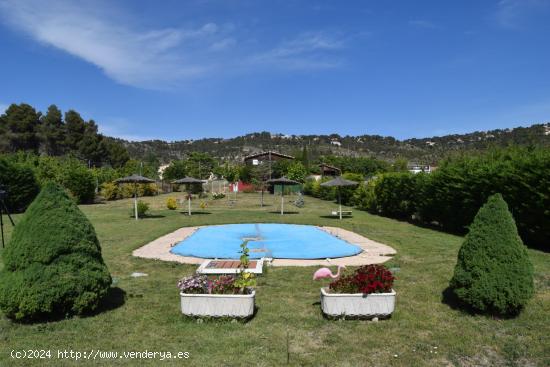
(280, 241)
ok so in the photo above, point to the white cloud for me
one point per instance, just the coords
(223, 44)
(514, 13)
(420, 23)
(3, 108)
(111, 39)
(307, 51)
(150, 59)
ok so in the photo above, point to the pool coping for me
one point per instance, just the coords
(373, 252)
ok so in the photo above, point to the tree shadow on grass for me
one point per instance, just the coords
(115, 298)
(195, 213)
(285, 212)
(449, 298)
(335, 217)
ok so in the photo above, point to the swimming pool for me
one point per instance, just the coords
(278, 241)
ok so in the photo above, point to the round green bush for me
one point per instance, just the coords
(20, 183)
(142, 209)
(493, 274)
(53, 263)
(80, 181)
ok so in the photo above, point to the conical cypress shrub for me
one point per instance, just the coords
(493, 273)
(52, 264)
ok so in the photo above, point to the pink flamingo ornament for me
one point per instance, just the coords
(327, 273)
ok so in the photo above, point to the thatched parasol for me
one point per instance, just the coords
(188, 181)
(134, 179)
(339, 182)
(283, 181)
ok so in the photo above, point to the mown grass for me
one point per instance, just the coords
(143, 313)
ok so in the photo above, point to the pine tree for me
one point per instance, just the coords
(76, 127)
(53, 262)
(21, 123)
(493, 273)
(53, 131)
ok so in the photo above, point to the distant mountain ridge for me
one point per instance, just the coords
(425, 150)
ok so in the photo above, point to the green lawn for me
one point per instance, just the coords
(422, 331)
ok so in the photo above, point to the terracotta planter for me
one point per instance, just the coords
(358, 304)
(218, 305)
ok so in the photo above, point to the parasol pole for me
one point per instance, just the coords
(282, 199)
(340, 202)
(135, 201)
(188, 200)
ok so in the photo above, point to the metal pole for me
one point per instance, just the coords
(270, 164)
(340, 202)
(2, 226)
(282, 199)
(3, 208)
(135, 201)
(189, 203)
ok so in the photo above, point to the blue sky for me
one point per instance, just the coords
(203, 68)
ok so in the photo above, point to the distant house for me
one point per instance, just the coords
(263, 157)
(337, 143)
(327, 170)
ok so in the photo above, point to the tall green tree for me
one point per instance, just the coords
(117, 154)
(75, 130)
(90, 147)
(199, 165)
(297, 172)
(21, 124)
(176, 170)
(53, 131)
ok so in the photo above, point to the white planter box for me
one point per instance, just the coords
(218, 305)
(357, 304)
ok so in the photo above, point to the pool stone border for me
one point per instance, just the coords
(373, 252)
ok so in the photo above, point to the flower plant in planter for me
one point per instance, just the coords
(367, 292)
(217, 296)
(366, 279)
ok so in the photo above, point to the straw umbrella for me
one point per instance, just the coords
(339, 182)
(188, 181)
(134, 179)
(283, 181)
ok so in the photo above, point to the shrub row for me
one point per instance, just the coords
(20, 184)
(111, 191)
(450, 196)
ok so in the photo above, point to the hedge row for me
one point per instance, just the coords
(111, 191)
(451, 196)
(24, 174)
(20, 183)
